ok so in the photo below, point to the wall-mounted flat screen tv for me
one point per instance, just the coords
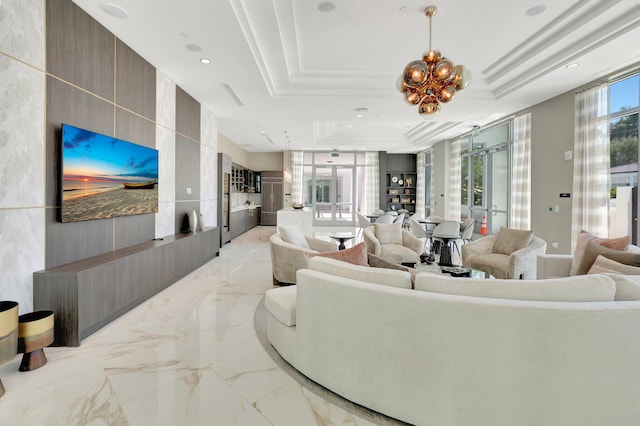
(105, 177)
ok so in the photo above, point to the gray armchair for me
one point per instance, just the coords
(521, 264)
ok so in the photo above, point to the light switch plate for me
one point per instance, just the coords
(568, 155)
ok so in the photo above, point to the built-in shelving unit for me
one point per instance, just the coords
(401, 191)
(398, 181)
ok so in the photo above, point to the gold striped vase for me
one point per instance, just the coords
(8, 333)
(35, 331)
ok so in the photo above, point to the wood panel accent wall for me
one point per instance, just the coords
(67, 242)
(135, 82)
(187, 155)
(187, 115)
(98, 83)
(79, 49)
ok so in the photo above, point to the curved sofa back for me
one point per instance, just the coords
(437, 359)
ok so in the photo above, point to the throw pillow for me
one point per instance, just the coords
(356, 255)
(511, 240)
(293, 235)
(388, 233)
(584, 237)
(592, 250)
(378, 262)
(604, 265)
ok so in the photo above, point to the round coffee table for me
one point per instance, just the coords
(342, 238)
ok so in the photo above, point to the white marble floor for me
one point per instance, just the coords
(188, 356)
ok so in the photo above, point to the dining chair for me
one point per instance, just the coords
(363, 222)
(419, 231)
(385, 218)
(466, 230)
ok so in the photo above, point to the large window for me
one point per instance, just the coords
(624, 103)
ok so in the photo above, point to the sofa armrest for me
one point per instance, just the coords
(554, 265)
(370, 240)
(523, 262)
(287, 258)
(483, 245)
(411, 241)
(321, 245)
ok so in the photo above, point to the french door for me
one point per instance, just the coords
(332, 192)
(487, 175)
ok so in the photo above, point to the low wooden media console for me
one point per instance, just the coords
(88, 294)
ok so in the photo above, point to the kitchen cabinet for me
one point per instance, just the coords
(243, 219)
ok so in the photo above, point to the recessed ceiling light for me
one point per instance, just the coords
(536, 10)
(360, 112)
(114, 10)
(193, 47)
(205, 61)
(326, 6)
(573, 65)
(349, 126)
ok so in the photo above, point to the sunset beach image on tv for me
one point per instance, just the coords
(105, 177)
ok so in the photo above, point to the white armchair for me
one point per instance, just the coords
(521, 264)
(403, 248)
(287, 258)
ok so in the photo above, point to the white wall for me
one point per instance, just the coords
(257, 161)
(552, 128)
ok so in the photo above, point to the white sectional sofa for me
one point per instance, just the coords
(429, 358)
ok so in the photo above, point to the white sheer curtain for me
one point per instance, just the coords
(420, 185)
(297, 180)
(432, 188)
(521, 173)
(371, 189)
(455, 182)
(591, 163)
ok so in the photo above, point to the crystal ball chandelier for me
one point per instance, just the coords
(432, 80)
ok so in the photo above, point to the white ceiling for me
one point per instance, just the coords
(302, 71)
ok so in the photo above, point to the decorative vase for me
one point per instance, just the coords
(35, 332)
(201, 222)
(193, 221)
(8, 333)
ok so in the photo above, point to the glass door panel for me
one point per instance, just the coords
(332, 191)
(344, 194)
(499, 189)
(488, 195)
(323, 184)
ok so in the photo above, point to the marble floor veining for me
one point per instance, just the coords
(188, 356)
